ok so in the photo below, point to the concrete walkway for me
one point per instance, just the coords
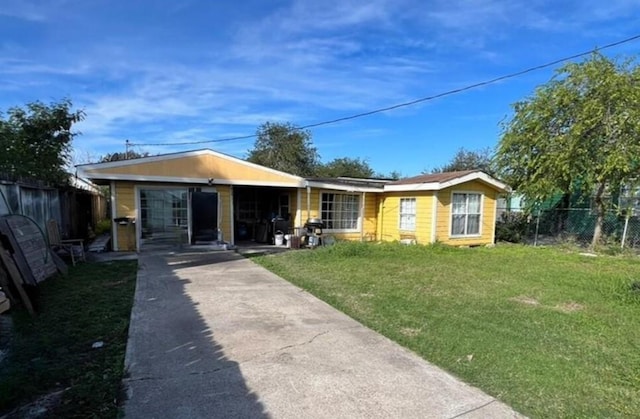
(215, 335)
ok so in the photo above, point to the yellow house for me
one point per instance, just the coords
(203, 196)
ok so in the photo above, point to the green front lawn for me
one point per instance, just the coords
(551, 333)
(54, 352)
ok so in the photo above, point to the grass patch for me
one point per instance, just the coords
(551, 333)
(54, 351)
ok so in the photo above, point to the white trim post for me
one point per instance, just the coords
(114, 214)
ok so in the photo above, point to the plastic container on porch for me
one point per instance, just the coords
(278, 238)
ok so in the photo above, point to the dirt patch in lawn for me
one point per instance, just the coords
(523, 299)
(410, 332)
(569, 307)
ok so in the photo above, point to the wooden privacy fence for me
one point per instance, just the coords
(75, 208)
(26, 207)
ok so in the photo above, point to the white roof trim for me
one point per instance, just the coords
(436, 186)
(341, 187)
(194, 180)
(431, 186)
(84, 184)
(165, 157)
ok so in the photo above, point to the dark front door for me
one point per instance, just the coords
(204, 210)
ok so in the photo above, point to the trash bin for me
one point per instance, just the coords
(278, 238)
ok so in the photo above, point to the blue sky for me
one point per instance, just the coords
(167, 71)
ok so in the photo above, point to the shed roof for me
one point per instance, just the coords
(438, 181)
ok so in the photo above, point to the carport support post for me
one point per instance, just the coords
(308, 201)
(232, 238)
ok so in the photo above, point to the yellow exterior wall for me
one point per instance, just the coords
(389, 219)
(380, 219)
(369, 217)
(203, 166)
(487, 227)
(125, 207)
(224, 210)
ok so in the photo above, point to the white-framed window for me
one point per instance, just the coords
(340, 211)
(408, 214)
(466, 213)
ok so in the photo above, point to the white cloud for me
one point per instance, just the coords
(304, 62)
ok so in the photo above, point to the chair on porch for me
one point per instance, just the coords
(72, 247)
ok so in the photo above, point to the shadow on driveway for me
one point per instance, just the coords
(175, 367)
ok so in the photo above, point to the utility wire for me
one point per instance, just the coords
(416, 101)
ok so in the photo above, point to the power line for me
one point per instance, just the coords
(416, 101)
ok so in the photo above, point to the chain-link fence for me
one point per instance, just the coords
(574, 226)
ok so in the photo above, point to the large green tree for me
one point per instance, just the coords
(469, 160)
(117, 156)
(345, 166)
(580, 132)
(282, 146)
(36, 141)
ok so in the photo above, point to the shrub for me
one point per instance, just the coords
(512, 227)
(103, 226)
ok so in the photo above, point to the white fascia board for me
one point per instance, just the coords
(165, 157)
(431, 186)
(436, 186)
(483, 177)
(196, 180)
(346, 188)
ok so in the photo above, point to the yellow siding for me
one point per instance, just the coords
(389, 219)
(224, 214)
(203, 166)
(380, 220)
(369, 218)
(293, 206)
(125, 207)
(443, 229)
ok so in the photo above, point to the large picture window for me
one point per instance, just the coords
(466, 214)
(408, 214)
(340, 211)
(162, 212)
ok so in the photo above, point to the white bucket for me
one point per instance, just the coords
(278, 239)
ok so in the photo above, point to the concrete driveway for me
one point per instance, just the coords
(215, 335)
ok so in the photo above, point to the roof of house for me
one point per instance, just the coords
(349, 183)
(438, 181)
(190, 172)
(117, 170)
(433, 177)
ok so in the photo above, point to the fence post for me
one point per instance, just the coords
(624, 231)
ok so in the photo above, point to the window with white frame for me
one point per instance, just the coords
(466, 214)
(340, 211)
(408, 214)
